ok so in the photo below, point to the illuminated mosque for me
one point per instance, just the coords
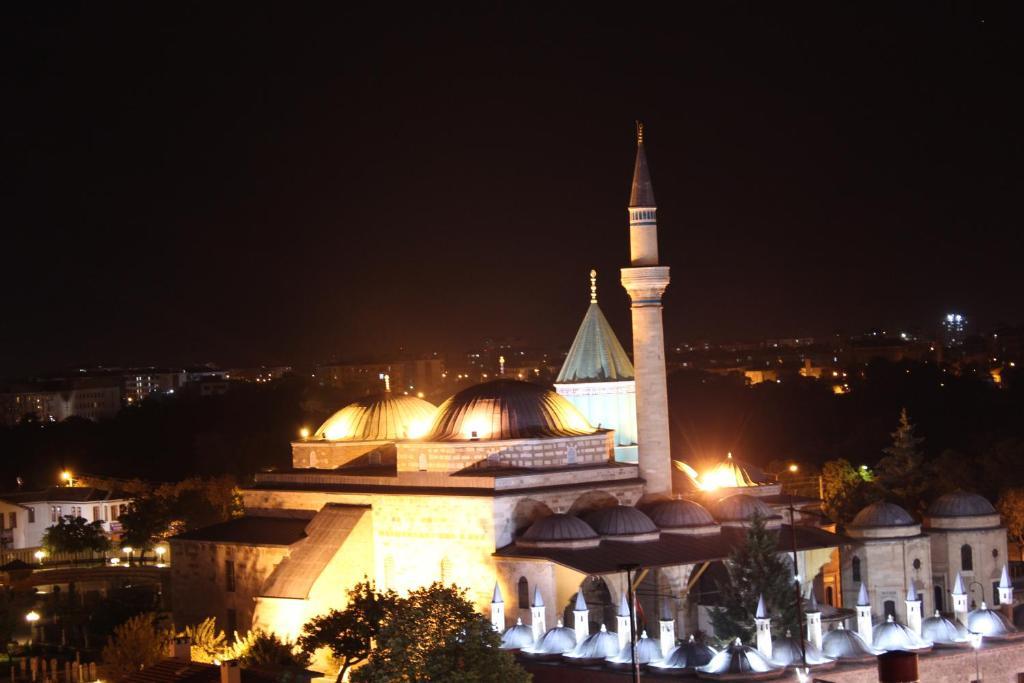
(534, 500)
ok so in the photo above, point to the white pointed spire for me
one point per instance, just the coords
(812, 603)
(761, 612)
(912, 593)
(538, 601)
(496, 598)
(1004, 578)
(581, 604)
(623, 606)
(604, 629)
(958, 585)
(862, 596)
(519, 621)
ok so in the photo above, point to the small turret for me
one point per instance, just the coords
(763, 625)
(813, 614)
(864, 626)
(581, 618)
(960, 597)
(497, 610)
(622, 627)
(914, 616)
(538, 615)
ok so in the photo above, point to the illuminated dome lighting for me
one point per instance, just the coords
(648, 650)
(891, 635)
(595, 647)
(739, 660)
(622, 523)
(518, 637)
(727, 474)
(846, 646)
(559, 531)
(989, 623)
(686, 656)
(556, 641)
(507, 409)
(379, 418)
(786, 652)
(683, 517)
(943, 632)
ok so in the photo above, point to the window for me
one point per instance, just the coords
(31, 515)
(966, 558)
(54, 513)
(938, 597)
(95, 512)
(829, 597)
(524, 593)
(570, 455)
(229, 577)
(13, 516)
(889, 608)
(232, 624)
(855, 564)
(113, 512)
(423, 462)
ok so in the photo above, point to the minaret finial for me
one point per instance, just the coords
(593, 286)
(639, 132)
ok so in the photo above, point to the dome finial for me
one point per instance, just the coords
(639, 132)
(593, 286)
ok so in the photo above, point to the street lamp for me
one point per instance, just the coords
(304, 433)
(128, 550)
(160, 550)
(975, 640)
(39, 555)
(67, 478)
(32, 617)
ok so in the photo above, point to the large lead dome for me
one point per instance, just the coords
(507, 409)
(379, 418)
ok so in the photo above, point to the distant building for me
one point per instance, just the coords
(419, 375)
(257, 375)
(27, 514)
(55, 401)
(954, 330)
(140, 383)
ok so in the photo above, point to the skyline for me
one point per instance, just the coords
(230, 197)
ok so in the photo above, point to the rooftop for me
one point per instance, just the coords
(252, 530)
(62, 494)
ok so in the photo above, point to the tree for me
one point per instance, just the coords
(145, 521)
(349, 633)
(900, 472)
(75, 535)
(208, 643)
(1011, 509)
(136, 644)
(753, 569)
(267, 650)
(846, 490)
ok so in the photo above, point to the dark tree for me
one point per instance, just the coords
(900, 473)
(75, 535)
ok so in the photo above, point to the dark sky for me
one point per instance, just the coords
(226, 182)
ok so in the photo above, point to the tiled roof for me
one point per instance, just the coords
(251, 530)
(667, 550)
(62, 494)
(596, 354)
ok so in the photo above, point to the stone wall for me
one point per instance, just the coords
(946, 559)
(453, 456)
(327, 455)
(887, 567)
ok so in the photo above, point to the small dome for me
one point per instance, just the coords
(687, 656)
(556, 641)
(989, 623)
(596, 646)
(620, 521)
(740, 507)
(559, 529)
(786, 652)
(961, 504)
(507, 409)
(517, 637)
(681, 514)
(737, 659)
(647, 650)
(882, 514)
(943, 632)
(891, 635)
(379, 418)
(846, 646)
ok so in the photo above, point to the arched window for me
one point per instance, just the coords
(889, 608)
(856, 568)
(966, 558)
(829, 598)
(938, 597)
(524, 593)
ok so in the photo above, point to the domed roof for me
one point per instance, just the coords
(507, 409)
(680, 514)
(960, 504)
(943, 632)
(891, 635)
(845, 645)
(737, 659)
(687, 656)
(882, 514)
(786, 652)
(385, 417)
(989, 623)
(559, 529)
(621, 520)
(600, 645)
(647, 650)
(556, 641)
(517, 637)
(740, 507)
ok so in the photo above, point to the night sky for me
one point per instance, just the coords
(188, 182)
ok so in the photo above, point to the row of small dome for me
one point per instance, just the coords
(956, 505)
(495, 410)
(627, 523)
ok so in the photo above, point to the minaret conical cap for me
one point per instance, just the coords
(958, 585)
(623, 606)
(1004, 578)
(496, 597)
(538, 601)
(761, 612)
(581, 604)
(642, 192)
(912, 593)
(862, 598)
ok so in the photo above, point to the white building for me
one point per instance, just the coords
(27, 514)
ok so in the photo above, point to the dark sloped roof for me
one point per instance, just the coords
(678, 514)
(179, 671)
(882, 514)
(596, 354)
(252, 530)
(960, 504)
(621, 520)
(559, 527)
(70, 494)
(667, 550)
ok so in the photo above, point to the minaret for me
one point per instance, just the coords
(1005, 588)
(913, 610)
(497, 610)
(959, 595)
(764, 629)
(537, 615)
(667, 632)
(645, 281)
(813, 614)
(581, 618)
(864, 614)
(622, 622)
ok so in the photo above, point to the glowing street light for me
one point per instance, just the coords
(128, 550)
(304, 433)
(32, 617)
(67, 478)
(160, 550)
(975, 640)
(40, 555)
(794, 468)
